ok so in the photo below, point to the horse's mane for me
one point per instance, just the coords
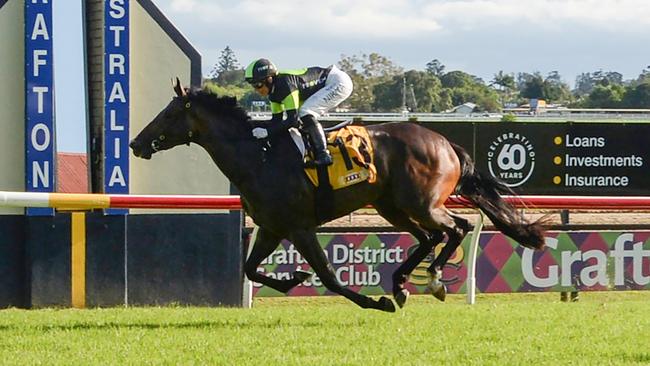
(219, 105)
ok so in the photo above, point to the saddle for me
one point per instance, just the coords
(352, 154)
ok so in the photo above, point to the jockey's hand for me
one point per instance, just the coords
(260, 133)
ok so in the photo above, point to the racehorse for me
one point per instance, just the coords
(417, 170)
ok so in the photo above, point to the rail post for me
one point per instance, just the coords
(473, 249)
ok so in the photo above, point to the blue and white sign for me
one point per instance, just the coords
(116, 94)
(39, 102)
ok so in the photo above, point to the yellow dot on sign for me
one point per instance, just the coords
(557, 180)
(557, 160)
(557, 140)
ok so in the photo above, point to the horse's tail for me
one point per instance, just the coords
(484, 191)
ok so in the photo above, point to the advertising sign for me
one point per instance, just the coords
(567, 158)
(461, 133)
(116, 94)
(39, 102)
(607, 260)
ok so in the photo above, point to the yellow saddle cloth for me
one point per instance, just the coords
(352, 154)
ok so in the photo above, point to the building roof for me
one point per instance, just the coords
(72, 173)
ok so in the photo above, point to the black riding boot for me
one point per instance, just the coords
(319, 143)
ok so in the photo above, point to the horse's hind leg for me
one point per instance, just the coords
(264, 245)
(307, 244)
(456, 228)
(426, 242)
(456, 236)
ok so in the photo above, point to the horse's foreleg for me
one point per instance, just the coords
(264, 245)
(426, 242)
(307, 244)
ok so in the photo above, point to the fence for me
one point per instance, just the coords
(88, 201)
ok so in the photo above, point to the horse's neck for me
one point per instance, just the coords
(235, 158)
(246, 165)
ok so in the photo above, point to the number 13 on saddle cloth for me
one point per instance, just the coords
(352, 153)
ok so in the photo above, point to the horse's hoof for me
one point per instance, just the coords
(440, 293)
(385, 304)
(401, 297)
(302, 275)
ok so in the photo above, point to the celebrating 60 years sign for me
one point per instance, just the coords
(567, 158)
(585, 260)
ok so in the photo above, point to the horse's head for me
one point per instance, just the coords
(173, 126)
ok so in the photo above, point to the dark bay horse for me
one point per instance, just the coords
(417, 170)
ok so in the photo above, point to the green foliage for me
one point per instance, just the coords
(509, 118)
(638, 96)
(585, 82)
(463, 88)
(230, 78)
(389, 94)
(366, 72)
(379, 87)
(602, 96)
(504, 81)
(456, 79)
(243, 92)
(435, 68)
(229, 90)
(552, 88)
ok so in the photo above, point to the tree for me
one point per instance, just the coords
(644, 76)
(555, 89)
(505, 83)
(226, 62)
(231, 77)
(461, 87)
(435, 68)
(456, 79)
(585, 82)
(637, 96)
(366, 71)
(532, 87)
(551, 88)
(602, 96)
(425, 87)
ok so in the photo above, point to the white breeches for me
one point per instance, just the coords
(338, 87)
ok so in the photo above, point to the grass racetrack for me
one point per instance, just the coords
(603, 328)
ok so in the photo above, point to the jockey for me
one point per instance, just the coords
(304, 95)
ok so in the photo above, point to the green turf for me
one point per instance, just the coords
(531, 329)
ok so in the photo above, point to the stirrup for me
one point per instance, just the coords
(323, 160)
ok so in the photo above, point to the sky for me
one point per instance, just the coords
(481, 37)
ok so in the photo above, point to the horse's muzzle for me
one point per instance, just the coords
(140, 150)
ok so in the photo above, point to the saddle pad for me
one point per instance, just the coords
(352, 154)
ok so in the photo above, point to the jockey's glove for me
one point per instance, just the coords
(260, 133)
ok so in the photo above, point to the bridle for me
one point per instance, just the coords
(155, 143)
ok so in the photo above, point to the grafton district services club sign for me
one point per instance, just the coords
(608, 260)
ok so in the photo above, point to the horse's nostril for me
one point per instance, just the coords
(133, 144)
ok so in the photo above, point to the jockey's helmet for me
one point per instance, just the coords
(259, 70)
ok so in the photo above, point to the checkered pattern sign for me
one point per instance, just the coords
(586, 260)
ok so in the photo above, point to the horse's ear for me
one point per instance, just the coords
(180, 91)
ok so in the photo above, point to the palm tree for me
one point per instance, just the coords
(505, 82)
